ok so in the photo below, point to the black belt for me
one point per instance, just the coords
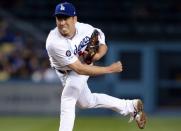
(62, 71)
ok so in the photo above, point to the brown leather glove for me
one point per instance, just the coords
(92, 47)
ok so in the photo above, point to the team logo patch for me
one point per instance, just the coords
(68, 53)
(62, 7)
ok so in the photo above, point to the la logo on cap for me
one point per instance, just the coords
(62, 7)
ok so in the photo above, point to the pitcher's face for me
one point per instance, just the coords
(66, 25)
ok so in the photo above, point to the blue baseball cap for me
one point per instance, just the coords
(65, 8)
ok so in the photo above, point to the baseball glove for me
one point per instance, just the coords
(92, 47)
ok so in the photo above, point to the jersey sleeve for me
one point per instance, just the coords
(101, 37)
(62, 55)
(90, 29)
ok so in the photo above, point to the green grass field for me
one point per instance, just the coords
(88, 124)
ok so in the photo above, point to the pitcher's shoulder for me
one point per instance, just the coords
(84, 26)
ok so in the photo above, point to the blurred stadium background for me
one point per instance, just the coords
(144, 34)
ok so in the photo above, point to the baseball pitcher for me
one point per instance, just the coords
(72, 48)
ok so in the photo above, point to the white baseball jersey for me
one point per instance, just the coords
(63, 51)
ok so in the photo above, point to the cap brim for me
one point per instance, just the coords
(63, 14)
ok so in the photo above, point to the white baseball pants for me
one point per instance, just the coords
(76, 91)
